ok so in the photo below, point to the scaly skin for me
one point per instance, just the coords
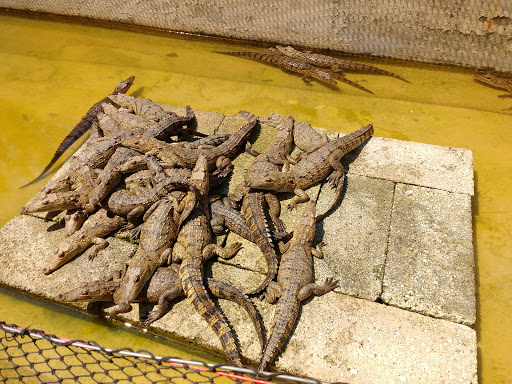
(133, 205)
(158, 234)
(496, 81)
(335, 64)
(149, 119)
(82, 127)
(255, 202)
(294, 284)
(224, 215)
(313, 168)
(194, 246)
(94, 229)
(185, 156)
(163, 288)
(305, 137)
(290, 64)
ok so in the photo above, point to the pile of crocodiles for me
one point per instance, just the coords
(143, 170)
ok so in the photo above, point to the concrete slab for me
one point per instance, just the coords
(409, 245)
(430, 264)
(337, 337)
(433, 166)
(25, 252)
(356, 234)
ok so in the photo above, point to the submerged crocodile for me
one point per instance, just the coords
(158, 234)
(194, 247)
(312, 168)
(93, 231)
(334, 63)
(496, 81)
(82, 127)
(294, 283)
(163, 288)
(291, 64)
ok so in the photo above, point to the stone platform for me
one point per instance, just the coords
(400, 243)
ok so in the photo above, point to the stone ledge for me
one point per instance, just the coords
(337, 337)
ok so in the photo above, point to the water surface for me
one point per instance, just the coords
(52, 72)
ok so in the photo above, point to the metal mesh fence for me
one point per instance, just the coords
(32, 356)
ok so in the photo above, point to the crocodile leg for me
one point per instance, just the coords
(317, 289)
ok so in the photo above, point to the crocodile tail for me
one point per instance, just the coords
(191, 278)
(228, 291)
(337, 198)
(254, 214)
(284, 320)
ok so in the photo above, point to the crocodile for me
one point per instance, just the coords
(184, 156)
(334, 63)
(294, 283)
(149, 118)
(312, 168)
(290, 64)
(159, 231)
(163, 288)
(194, 247)
(305, 137)
(254, 202)
(82, 127)
(93, 231)
(299, 66)
(496, 81)
(132, 205)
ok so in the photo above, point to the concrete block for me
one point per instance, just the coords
(29, 243)
(356, 234)
(430, 266)
(433, 166)
(337, 337)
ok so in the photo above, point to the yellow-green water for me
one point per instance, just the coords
(51, 73)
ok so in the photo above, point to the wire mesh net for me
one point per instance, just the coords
(32, 356)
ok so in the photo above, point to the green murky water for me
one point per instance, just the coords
(51, 73)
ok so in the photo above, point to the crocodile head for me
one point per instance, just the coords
(99, 290)
(489, 78)
(65, 252)
(273, 181)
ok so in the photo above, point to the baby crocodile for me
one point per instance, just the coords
(313, 168)
(183, 155)
(294, 283)
(93, 231)
(290, 64)
(496, 81)
(158, 234)
(162, 289)
(82, 126)
(194, 247)
(335, 64)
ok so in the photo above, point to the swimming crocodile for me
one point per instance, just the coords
(194, 247)
(285, 62)
(294, 283)
(163, 288)
(82, 127)
(312, 168)
(496, 81)
(333, 63)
